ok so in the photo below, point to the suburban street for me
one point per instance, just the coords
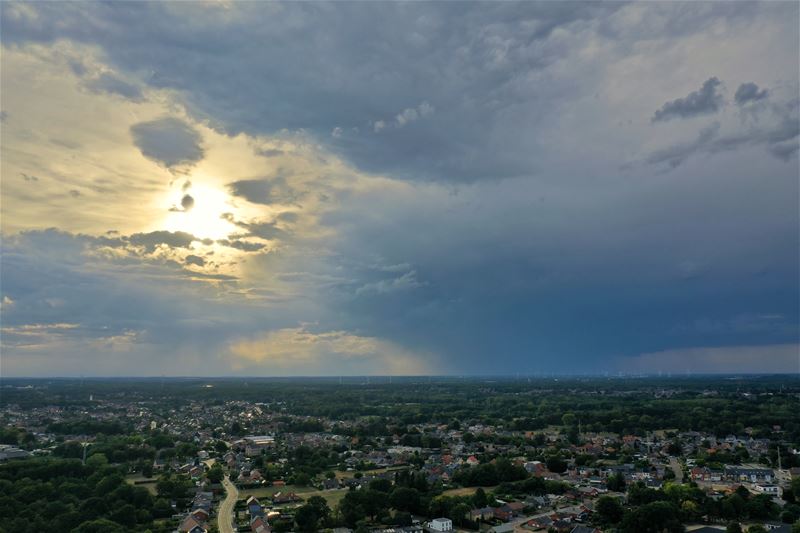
(676, 467)
(225, 515)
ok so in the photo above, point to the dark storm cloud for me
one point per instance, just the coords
(516, 227)
(168, 141)
(749, 92)
(475, 64)
(704, 101)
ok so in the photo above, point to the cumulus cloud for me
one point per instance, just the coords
(196, 260)
(173, 239)
(749, 92)
(704, 101)
(779, 138)
(168, 141)
(243, 245)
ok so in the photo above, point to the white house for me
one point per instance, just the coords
(441, 524)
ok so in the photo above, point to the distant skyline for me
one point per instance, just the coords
(443, 188)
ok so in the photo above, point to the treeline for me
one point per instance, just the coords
(655, 511)
(64, 495)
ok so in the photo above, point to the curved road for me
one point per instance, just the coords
(225, 514)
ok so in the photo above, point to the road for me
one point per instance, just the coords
(225, 515)
(676, 467)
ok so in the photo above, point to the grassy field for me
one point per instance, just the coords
(466, 491)
(333, 497)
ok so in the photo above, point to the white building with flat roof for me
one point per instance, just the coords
(441, 524)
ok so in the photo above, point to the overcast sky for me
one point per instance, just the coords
(399, 188)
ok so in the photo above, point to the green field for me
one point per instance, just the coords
(333, 497)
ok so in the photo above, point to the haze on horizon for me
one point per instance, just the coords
(275, 189)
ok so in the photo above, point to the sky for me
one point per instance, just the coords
(275, 189)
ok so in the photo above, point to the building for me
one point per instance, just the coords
(441, 524)
(754, 475)
(766, 488)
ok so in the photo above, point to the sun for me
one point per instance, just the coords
(198, 210)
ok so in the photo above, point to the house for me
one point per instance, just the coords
(330, 484)
(254, 507)
(191, 525)
(504, 513)
(516, 507)
(585, 529)
(502, 528)
(540, 522)
(288, 497)
(259, 525)
(441, 524)
(485, 513)
(537, 468)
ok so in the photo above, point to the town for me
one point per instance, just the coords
(410, 455)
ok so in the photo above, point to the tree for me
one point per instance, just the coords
(99, 526)
(479, 499)
(616, 482)
(458, 513)
(609, 510)
(556, 464)
(215, 474)
(380, 484)
(757, 528)
(733, 527)
(307, 518)
(655, 517)
(97, 460)
(404, 499)
(403, 519)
